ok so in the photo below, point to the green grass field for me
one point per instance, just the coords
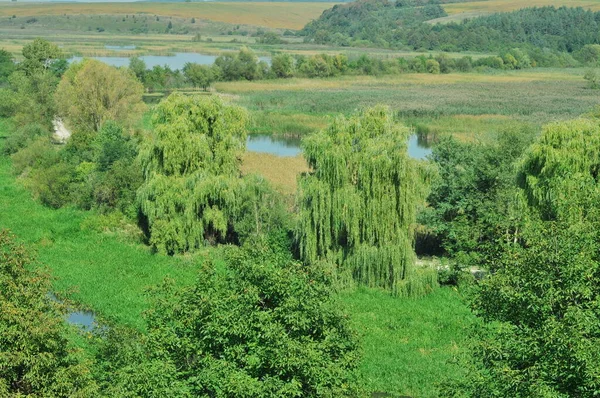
(408, 345)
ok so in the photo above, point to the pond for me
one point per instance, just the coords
(176, 61)
(287, 147)
(84, 320)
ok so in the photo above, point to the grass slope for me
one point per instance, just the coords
(108, 275)
(409, 345)
(271, 15)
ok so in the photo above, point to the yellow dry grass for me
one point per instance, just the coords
(491, 6)
(282, 172)
(289, 15)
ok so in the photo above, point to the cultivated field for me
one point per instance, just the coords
(459, 11)
(271, 15)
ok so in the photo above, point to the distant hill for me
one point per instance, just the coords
(403, 25)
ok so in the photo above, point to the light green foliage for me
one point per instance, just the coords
(358, 205)
(432, 66)
(593, 76)
(200, 75)
(559, 172)
(35, 357)
(589, 54)
(138, 67)
(261, 327)
(542, 337)
(193, 190)
(92, 92)
(283, 66)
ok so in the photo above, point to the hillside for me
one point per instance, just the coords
(382, 24)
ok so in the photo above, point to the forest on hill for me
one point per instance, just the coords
(381, 23)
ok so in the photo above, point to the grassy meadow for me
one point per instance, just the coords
(468, 105)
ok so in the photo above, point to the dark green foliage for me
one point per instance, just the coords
(261, 327)
(379, 23)
(35, 357)
(358, 205)
(7, 66)
(473, 200)
(542, 338)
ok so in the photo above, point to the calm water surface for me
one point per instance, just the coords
(287, 147)
(176, 61)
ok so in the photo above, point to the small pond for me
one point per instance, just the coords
(286, 147)
(176, 61)
(84, 320)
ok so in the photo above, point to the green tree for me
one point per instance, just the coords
(138, 67)
(559, 172)
(589, 54)
(7, 66)
(282, 65)
(432, 66)
(199, 75)
(33, 98)
(36, 359)
(191, 167)
(358, 205)
(541, 336)
(92, 92)
(39, 56)
(262, 327)
(593, 76)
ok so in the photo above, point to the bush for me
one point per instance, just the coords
(260, 327)
(24, 137)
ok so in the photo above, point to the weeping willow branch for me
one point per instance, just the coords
(358, 205)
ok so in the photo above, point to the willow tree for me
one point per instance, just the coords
(191, 168)
(559, 173)
(358, 204)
